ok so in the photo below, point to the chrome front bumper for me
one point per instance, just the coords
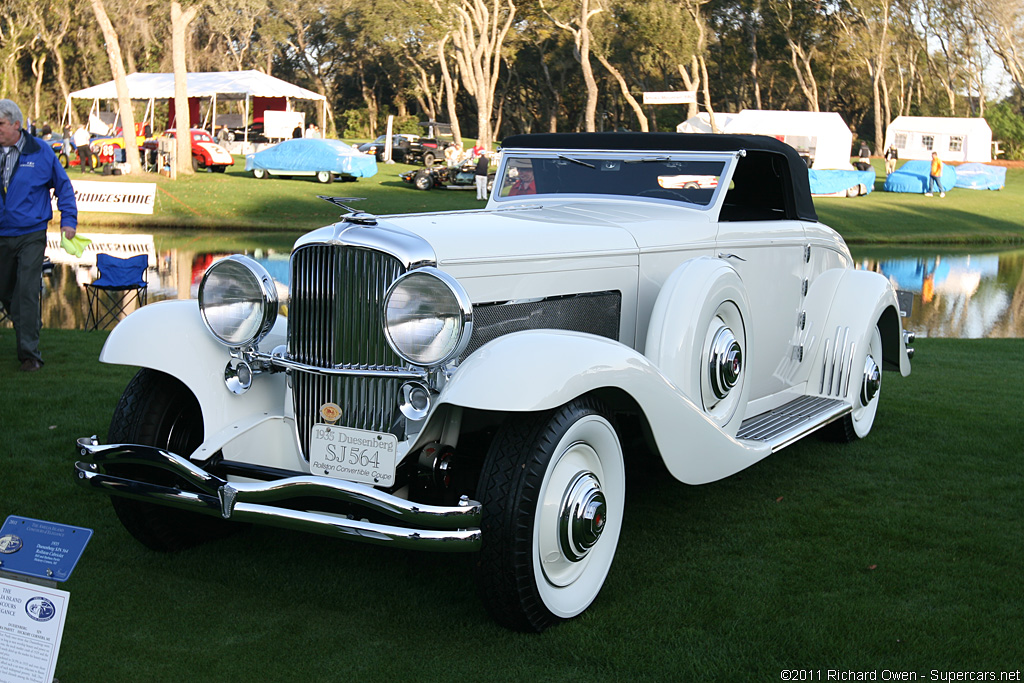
(422, 527)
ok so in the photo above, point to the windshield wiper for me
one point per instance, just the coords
(576, 161)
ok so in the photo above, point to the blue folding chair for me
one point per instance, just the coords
(122, 282)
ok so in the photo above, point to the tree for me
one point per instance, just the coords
(1002, 26)
(478, 30)
(124, 100)
(577, 23)
(182, 125)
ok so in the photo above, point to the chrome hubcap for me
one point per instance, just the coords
(872, 381)
(582, 516)
(725, 363)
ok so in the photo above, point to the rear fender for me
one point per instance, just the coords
(565, 365)
(859, 300)
(170, 336)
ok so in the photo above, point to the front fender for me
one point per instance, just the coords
(170, 336)
(564, 365)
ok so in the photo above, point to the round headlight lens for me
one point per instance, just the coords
(428, 317)
(238, 300)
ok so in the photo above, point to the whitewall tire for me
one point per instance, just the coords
(553, 489)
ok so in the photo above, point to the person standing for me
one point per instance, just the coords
(480, 175)
(935, 176)
(864, 157)
(28, 171)
(891, 157)
(82, 141)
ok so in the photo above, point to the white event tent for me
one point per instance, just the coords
(823, 138)
(955, 139)
(216, 86)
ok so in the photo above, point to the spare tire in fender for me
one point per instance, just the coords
(698, 336)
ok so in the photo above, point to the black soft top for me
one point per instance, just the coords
(784, 160)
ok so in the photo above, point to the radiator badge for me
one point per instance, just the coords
(330, 412)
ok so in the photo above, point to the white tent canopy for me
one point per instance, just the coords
(823, 138)
(955, 139)
(219, 85)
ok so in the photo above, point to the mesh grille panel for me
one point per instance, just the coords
(595, 313)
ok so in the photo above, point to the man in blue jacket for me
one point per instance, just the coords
(28, 169)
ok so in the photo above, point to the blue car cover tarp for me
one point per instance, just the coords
(312, 154)
(913, 177)
(980, 177)
(833, 181)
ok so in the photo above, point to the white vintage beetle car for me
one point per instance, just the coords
(460, 381)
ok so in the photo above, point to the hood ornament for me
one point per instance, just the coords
(354, 215)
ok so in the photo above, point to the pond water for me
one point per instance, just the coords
(965, 294)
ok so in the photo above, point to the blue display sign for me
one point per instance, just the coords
(41, 549)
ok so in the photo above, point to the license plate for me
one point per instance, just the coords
(353, 454)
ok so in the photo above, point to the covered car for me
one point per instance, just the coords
(913, 177)
(838, 183)
(980, 177)
(323, 159)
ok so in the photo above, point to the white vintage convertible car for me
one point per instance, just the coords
(464, 381)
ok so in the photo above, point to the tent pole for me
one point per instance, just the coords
(214, 122)
(245, 121)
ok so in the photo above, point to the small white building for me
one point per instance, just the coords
(955, 139)
(822, 138)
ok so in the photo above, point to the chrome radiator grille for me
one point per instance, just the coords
(335, 320)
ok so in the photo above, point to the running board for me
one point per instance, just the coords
(782, 426)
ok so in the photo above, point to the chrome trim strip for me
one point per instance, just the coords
(395, 373)
(453, 529)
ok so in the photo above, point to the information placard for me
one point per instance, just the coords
(45, 550)
(31, 626)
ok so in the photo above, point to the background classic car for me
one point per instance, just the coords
(466, 381)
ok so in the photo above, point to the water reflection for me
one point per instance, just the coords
(955, 295)
(959, 295)
(172, 273)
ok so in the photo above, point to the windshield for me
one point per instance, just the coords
(661, 176)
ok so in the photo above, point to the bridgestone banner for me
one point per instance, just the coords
(115, 197)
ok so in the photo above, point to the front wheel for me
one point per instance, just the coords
(428, 159)
(324, 177)
(158, 410)
(260, 174)
(63, 158)
(423, 180)
(552, 489)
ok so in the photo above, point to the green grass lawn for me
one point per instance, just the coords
(901, 552)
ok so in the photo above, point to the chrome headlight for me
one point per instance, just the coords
(428, 317)
(238, 300)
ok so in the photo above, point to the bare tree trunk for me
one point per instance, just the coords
(581, 51)
(124, 100)
(38, 69)
(449, 90)
(752, 38)
(182, 125)
(624, 87)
